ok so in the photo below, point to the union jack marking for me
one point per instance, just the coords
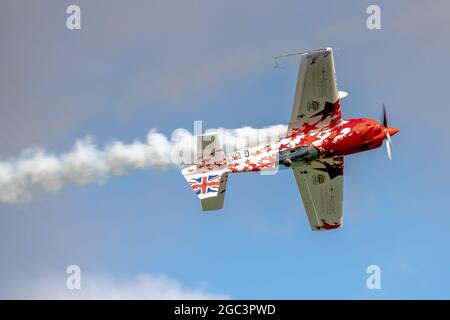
(206, 184)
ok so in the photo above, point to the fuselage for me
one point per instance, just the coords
(347, 137)
(314, 146)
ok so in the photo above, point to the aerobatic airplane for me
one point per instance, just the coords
(316, 142)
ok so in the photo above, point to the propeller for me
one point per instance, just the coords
(387, 131)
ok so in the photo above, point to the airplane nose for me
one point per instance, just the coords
(392, 131)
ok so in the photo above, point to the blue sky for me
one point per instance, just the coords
(139, 65)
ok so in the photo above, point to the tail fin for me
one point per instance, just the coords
(208, 177)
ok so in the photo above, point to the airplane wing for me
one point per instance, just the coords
(316, 100)
(321, 187)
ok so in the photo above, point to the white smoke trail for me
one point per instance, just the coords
(36, 170)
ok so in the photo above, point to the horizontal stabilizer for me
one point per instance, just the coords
(216, 202)
(209, 186)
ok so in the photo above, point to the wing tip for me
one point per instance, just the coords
(325, 226)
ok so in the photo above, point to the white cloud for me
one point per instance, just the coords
(104, 287)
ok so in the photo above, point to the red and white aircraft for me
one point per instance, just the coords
(314, 147)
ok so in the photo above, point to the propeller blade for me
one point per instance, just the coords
(384, 119)
(388, 145)
(387, 132)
